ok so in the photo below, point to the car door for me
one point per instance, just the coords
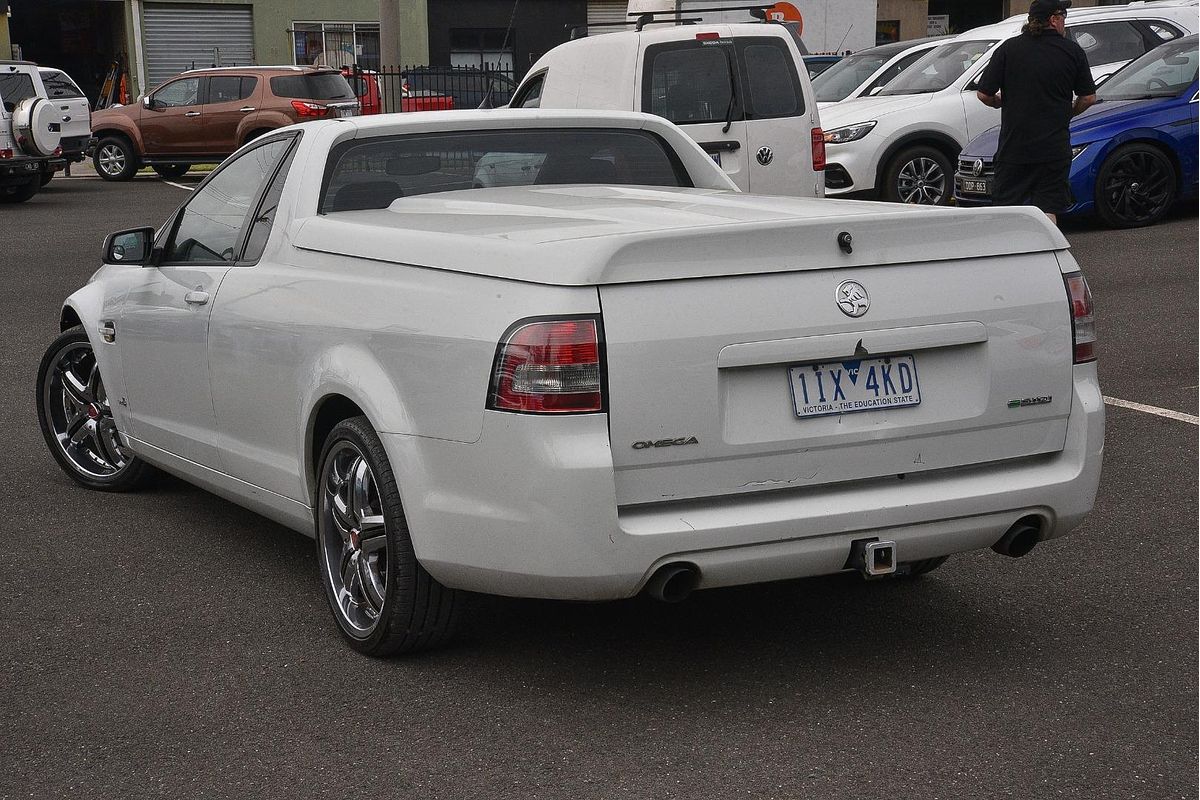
(695, 84)
(172, 118)
(1108, 45)
(229, 101)
(778, 129)
(70, 102)
(163, 324)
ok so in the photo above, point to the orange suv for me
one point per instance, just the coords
(203, 115)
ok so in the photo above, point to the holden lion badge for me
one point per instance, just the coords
(852, 298)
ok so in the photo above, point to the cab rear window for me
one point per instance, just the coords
(364, 174)
(320, 86)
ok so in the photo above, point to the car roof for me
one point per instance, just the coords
(282, 68)
(892, 48)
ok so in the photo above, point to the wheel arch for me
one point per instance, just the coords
(132, 134)
(942, 142)
(329, 410)
(68, 318)
(1149, 138)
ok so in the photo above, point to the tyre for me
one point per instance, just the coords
(919, 175)
(170, 171)
(1135, 186)
(115, 159)
(77, 421)
(21, 193)
(382, 599)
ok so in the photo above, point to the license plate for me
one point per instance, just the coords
(847, 387)
(345, 112)
(976, 186)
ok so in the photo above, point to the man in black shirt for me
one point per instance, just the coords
(1038, 80)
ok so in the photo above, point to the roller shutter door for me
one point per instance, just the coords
(194, 36)
(608, 11)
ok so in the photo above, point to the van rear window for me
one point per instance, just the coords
(319, 86)
(371, 173)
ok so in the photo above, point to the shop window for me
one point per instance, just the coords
(336, 44)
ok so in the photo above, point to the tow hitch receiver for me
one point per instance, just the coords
(872, 557)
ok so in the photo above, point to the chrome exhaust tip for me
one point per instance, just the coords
(672, 583)
(1021, 538)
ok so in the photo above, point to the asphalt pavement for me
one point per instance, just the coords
(170, 644)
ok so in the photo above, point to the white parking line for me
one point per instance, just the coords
(1158, 412)
(181, 186)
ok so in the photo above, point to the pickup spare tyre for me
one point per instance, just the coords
(920, 175)
(114, 159)
(37, 126)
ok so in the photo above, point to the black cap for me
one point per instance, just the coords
(1042, 9)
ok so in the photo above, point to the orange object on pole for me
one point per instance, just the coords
(123, 92)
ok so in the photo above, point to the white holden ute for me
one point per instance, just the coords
(621, 376)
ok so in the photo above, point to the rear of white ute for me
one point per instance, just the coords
(788, 401)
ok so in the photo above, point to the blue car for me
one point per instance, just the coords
(1134, 153)
(816, 64)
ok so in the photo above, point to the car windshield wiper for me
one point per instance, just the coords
(732, 91)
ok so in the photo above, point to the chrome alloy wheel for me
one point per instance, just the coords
(354, 540)
(111, 159)
(79, 415)
(921, 181)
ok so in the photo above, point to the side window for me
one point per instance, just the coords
(1164, 31)
(213, 218)
(184, 92)
(59, 85)
(224, 89)
(264, 218)
(530, 95)
(773, 88)
(690, 82)
(247, 89)
(893, 71)
(1107, 42)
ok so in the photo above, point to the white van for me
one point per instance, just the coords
(741, 91)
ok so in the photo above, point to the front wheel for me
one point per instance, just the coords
(382, 599)
(77, 420)
(918, 175)
(1135, 186)
(115, 159)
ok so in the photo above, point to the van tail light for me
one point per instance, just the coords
(6, 152)
(818, 148)
(551, 366)
(306, 109)
(1083, 317)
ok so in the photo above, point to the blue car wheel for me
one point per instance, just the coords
(1136, 185)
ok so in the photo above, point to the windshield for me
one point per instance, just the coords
(1163, 72)
(938, 68)
(837, 82)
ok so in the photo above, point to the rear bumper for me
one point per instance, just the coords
(529, 510)
(20, 170)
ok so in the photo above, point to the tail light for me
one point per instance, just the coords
(306, 109)
(549, 367)
(818, 148)
(6, 152)
(1083, 317)
(57, 152)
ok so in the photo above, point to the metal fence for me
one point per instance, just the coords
(432, 88)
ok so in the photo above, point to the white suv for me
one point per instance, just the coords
(30, 132)
(865, 73)
(901, 144)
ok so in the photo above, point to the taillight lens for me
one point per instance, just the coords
(306, 109)
(1083, 317)
(818, 148)
(549, 367)
(6, 152)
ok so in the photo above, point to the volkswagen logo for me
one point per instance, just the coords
(977, 167)
(852, 298)
(765, 156)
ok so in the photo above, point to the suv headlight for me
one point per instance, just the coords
(849, 133)
(1076, 150)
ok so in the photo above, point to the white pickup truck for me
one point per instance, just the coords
(623, 376)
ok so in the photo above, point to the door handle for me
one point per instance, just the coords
(192, 114)
(245, 109)
(196, 297)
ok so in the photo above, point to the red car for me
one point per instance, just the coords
(366, 86)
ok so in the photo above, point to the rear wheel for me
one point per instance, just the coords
(1135, 186)
(21, 193)
(382, 599)
(171, 170)
(919, 175)
(115, 159)
(77, 420)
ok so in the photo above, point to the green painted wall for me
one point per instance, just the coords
(5, 41)
(273, 20)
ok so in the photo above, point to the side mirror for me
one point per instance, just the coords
(147, 102)
(134, 246)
